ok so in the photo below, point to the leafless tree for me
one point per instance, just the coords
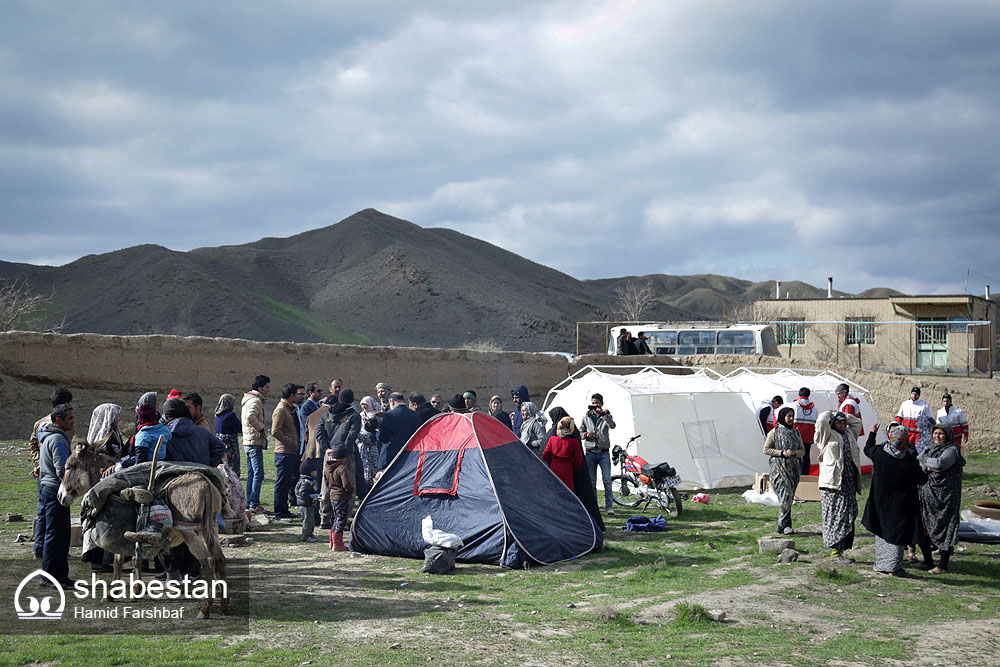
(632, 299)
(754, 312)
(20, 307)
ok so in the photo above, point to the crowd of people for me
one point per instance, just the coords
(916, 484)
(329, 450)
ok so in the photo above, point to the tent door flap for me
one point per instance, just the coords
(438, 473)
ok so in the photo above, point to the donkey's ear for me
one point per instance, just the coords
(81, 447)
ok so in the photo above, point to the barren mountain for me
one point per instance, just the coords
(370, 278)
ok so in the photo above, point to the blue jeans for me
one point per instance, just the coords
(55, 546)
(287, 466)
(310, 517)
(39, 522)
(255, 475)
(602, 459)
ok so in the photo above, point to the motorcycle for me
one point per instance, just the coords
(640, 481)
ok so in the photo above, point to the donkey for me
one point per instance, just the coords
(193, 502)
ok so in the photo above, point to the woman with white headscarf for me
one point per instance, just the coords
(368, 439)
(839, 480)
(104, 434)
(104, 431)
(533, 429)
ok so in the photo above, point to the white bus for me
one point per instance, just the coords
(679, 339)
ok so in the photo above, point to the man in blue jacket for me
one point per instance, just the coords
(189, 442)
(53, 450)
(398, 424)
(192, 444)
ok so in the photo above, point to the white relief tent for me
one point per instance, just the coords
(762, 384)
(706, 430)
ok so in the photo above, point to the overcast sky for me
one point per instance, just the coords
(763, 140)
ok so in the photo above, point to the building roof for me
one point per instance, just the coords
(908, 299)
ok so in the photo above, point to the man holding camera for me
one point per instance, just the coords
(594, 428)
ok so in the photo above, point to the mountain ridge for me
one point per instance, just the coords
(370, 278)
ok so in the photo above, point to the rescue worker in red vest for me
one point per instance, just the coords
(805, 424)
(768, 412)
(955, 418)
(848, 404)
(908, 413)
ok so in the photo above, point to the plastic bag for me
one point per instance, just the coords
(160, 514)
(439, 538)
(973, 522)
(769, 497)
(439, 560)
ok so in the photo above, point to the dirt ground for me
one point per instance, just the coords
(293, 599)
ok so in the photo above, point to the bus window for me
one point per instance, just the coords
(696, 342)
(736, 342)
(662, 338)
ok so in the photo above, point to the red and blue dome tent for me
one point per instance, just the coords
(475, 479)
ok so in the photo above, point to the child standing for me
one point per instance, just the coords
(339, 478)
(306, 493)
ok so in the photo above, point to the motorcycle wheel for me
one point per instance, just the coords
(624, 490)
(674, 506)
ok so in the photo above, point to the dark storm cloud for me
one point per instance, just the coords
(762, 140)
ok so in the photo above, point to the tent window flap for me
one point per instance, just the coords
(437, 473)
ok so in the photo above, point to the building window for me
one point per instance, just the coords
(791, 331)
(859, 334)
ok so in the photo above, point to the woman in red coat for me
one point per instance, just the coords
(563, 454)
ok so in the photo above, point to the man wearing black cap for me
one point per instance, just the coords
(457, 404)
(910, 411)
(955, 418)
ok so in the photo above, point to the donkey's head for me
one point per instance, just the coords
(83, 471)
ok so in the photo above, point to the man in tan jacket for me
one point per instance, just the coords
(255, 438)
(285, 430)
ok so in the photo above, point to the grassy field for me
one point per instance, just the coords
(641, 599)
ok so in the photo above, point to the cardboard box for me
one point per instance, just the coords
(762, 482)
(808, 488)
(75, 531)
